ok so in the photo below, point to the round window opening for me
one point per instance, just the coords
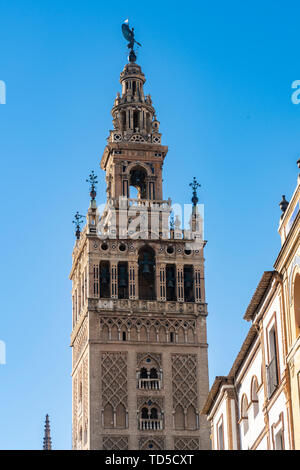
(104, 246)
(170, 250)
(187, 252)
(122, 247)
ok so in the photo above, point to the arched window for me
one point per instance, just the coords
(150, 417)
(244, 413)
(153, 413)
(120, 416)
(108, 416)
(153, 373)
(149, 375)
(297, 303)
(135, 118)
(181, 336)
(138, 180)
(189, 283)
(179, 417)
(144, 373)
(171, 282)
(172, 336)
(123, 280)
(191, 418)
(104, 279)
(254, 396)
(105, 333)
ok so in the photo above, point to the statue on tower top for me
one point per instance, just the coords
(129, 36)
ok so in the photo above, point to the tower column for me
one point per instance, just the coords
(180, 283)
(197, 283)
(114, 279)
(161, 282)
(133, 279)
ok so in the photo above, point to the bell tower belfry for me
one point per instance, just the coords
(140, 372)
(134, 155)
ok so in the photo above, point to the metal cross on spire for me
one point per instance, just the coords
(195, 185)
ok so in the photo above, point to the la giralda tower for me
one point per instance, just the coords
(139, 347)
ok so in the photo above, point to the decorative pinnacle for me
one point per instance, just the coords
(298, 163)
(195, 185)
(47, 444)
(78, 219)
(93, 181)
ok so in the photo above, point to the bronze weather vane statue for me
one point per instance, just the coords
(129, 36)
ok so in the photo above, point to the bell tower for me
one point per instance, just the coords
(140, 372)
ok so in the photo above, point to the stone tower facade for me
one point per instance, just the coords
(140, 372)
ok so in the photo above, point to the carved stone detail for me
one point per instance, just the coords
(156, 443)
(184, 380)
(186, 443)
(155, 400)
(155, 356)
(115, 443)
(114, 379)
(80, 341)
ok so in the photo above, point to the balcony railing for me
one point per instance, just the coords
(272, 376)
(151, 424)
(149, 384)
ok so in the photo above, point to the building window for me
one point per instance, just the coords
(279, 440)
(151, 417)
(220, 436)
(297, 304)
(149, 375)
(254, 396)
(272, 367)
(244, 414)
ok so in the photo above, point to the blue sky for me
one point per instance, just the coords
(220, 77)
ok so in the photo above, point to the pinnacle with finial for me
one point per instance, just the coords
(47, 444)
(93, 180)
(78, 219)
(195, 185)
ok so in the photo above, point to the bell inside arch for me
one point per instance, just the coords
(188, 280)
(146, 264)
(170, 279)
(122, 277)
(104, 275)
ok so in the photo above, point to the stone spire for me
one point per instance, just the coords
(47, 438)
